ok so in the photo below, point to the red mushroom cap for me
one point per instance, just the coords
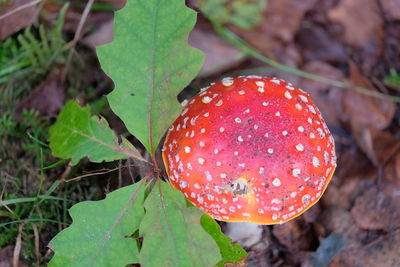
(250, 149)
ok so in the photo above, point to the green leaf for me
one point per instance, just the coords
(172, 234)
(76, 135)
(150, 62)
(99, 234)
(230, 252)
(242, 13)
(393, 78)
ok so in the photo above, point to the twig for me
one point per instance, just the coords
(36, 234)
(35, 2)
(246, 48)
(71, 44)
(98, 173)
(1, 197)
(90, 174)
(18, 246)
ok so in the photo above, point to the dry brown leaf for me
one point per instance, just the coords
(6, 256)
(220, 56)
(317, 45)
(367, 117)
(384, 251)
(281, 20)
(361, 20)
(312, 214)
(375, 210)
(366, 110)
(102, 35)
(391, 8)
(390, 180)
(352, 163)
(378, 145)
(17, 21)
(340, 221)
(295, 234)
(326, 97)
(48, 97)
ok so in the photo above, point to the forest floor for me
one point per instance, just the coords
(46, 58)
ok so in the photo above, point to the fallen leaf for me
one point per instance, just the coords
(375, 210)
(361, 20)
(340, 221)
(6, 256)
(48, 97)
(366, 110)
(328, 248)
(102, 35)
(281, 20)
(390, 180)
(295, 234)
(343, 195)
(326, 97)
(219, 54)
(18, 20)
(317, 45)
(352, 163)
(391, 8)
(312, 214)
(73, 17)
(378, 145)
(382, 252)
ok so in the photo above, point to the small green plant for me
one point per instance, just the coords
(148, 222)
(241, 13)
(393, 78)
(30, 207)
(32, 53)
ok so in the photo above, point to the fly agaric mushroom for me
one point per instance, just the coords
(250, 149)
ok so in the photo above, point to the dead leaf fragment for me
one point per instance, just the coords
(340, 221)
(361, 21)
(317, 45)
(390, 182)
(18, 20)
(295, 234)
(102, 35)
(48, 97)
(326, 97)
(367, 117)
(366, 111)
(375, 210)
(281, 20)
(6, 255)
(382, 252)
(391, 8)
(378, 145)
(219, 54)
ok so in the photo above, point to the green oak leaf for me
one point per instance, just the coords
(172, 234)
(76, 134)
(230, 252)
(101, 230)
(150, 62)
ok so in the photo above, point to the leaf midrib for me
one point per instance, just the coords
(153, 70)
(72, 130)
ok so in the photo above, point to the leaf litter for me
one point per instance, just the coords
(359, 212)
